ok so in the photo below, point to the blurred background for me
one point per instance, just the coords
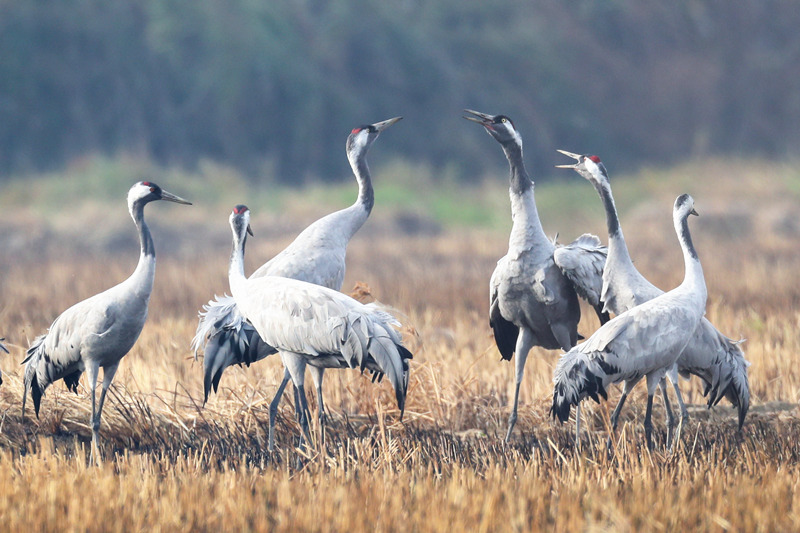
(272, 88)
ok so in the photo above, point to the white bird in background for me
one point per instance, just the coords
(315, 325)
(642, 342)
(710, 355)
(100, 330)
(317, 256)
(533, 299)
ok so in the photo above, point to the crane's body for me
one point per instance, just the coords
(311, 324)
(99, 331)
(532, 301)
(710, 355)
(644, 341)
(317, 255)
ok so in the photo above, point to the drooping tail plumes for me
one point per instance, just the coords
(726, 377)
(226, 339)
(575, 378)
(733, 383)
(31, 362)
(42, 369)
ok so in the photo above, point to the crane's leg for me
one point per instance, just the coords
(317, 374)
(295, 364)
(652, 383)
(523, 346)
(648, 422)
(668, 408)
(304, 405)
(108, 377)
(298, 413)
(273, 408)
(91, 374)
(673, 377)
(629, 385)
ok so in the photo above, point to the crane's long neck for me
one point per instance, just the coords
(361, 209)
(693, 277)
(142, 278)
(526, 230)
(236, 275)
(617, 248)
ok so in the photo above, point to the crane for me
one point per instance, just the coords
(710, 355)
(315, 325)
(317, 255)
(533, 299)
(99, 331)
(644, 341)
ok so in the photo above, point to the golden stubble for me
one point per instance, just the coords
(173, 464)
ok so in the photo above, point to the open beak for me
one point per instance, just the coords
(481, 118)
(380, 126)
(576, 157)
(168, 196)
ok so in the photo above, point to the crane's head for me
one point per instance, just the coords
(498, 126)
(588, 166)
(684, 206)
(147, 191)
(240, 222)
(362, 137)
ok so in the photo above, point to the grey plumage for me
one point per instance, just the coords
(100, 330)
(710, 355)
(644, 341)
(316, 256)
(532, 291)
(312, 324)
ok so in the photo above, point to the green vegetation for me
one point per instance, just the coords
(278, 85)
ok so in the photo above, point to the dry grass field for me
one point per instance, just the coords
(172, 464)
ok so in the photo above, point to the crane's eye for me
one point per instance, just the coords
(503, 120)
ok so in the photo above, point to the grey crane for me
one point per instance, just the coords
(644, 341)
(315, 325)
(317, 255)
(533, 299)
(100, 330)
(710, 355)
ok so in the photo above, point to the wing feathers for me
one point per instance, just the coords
(582, 262)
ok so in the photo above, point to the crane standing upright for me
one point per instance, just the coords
(644, 341)
(312, 324)
(100, 330)
(317, 255)
(533, 299)
(710, 355)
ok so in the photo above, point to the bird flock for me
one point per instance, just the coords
(292, 306)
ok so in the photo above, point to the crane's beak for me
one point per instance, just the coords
(481, 118)
(576, 157)
(380, 126)
(250, 231)
(694, 212)
(168, 196)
